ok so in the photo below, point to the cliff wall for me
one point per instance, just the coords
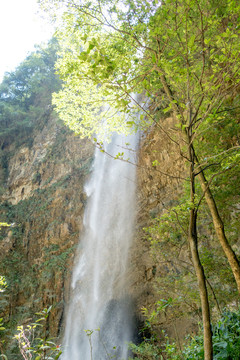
(161, 174)
(43, 198)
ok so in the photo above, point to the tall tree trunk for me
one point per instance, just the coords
(207, 333)
(193, 243)
(192, 230)
(219, 228)
(217, 221)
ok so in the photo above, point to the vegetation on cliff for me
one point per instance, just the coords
(43, 168)
(25, 94)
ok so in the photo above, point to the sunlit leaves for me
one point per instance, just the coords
(110, 49)
(35, 347)
(97, 71)
(3, 283)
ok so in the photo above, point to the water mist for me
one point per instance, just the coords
(98, 324)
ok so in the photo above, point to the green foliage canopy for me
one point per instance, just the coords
(180, 55)
(25, 92)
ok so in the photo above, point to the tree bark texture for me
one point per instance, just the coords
(207, 333)
(193, 244)
(219, 228)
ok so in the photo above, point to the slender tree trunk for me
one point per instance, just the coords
(207, 333)
(192, 230)
(219, 228)
(193, 243)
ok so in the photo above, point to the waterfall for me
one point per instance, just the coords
(99, 323)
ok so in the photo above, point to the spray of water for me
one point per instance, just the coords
(99, 324)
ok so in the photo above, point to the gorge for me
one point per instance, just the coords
(169, 225)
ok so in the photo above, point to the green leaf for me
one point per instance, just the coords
(192, 40)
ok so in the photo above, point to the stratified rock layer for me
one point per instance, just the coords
(44, 198)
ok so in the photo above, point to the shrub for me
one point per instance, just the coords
(226, 343)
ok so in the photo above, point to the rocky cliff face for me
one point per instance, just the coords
(161, 171)
(158, 187)
(43, 198)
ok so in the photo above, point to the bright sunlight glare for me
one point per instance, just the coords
(21, 28)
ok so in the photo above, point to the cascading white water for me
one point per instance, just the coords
(99, 294)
